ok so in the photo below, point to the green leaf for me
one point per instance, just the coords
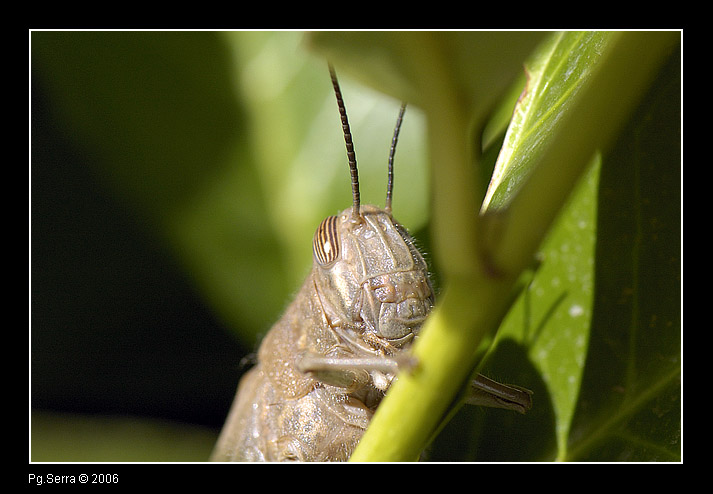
(629, 407)
(555, 73)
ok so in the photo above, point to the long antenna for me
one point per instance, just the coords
(351, 155)
(392, 152)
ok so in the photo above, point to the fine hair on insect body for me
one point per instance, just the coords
(326, 364)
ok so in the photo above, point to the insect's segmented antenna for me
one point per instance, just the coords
(351, 155)
(392, 152)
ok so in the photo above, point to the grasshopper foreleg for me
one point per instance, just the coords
(353, 372)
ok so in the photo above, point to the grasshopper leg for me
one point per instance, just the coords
(352, 372)
(488, 393)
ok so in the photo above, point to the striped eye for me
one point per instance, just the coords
(325, 244)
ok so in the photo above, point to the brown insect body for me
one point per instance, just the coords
(325, 365)
(364, 301)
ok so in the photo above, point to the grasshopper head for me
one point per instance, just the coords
(372, 281)
(370, 276)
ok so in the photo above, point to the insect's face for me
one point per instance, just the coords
(370, 276)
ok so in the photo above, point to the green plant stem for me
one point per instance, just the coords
(454, 330)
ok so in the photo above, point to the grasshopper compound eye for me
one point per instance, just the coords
(325, 244)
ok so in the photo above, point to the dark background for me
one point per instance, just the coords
(116, 327)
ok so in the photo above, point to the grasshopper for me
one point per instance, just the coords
(326, 364)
